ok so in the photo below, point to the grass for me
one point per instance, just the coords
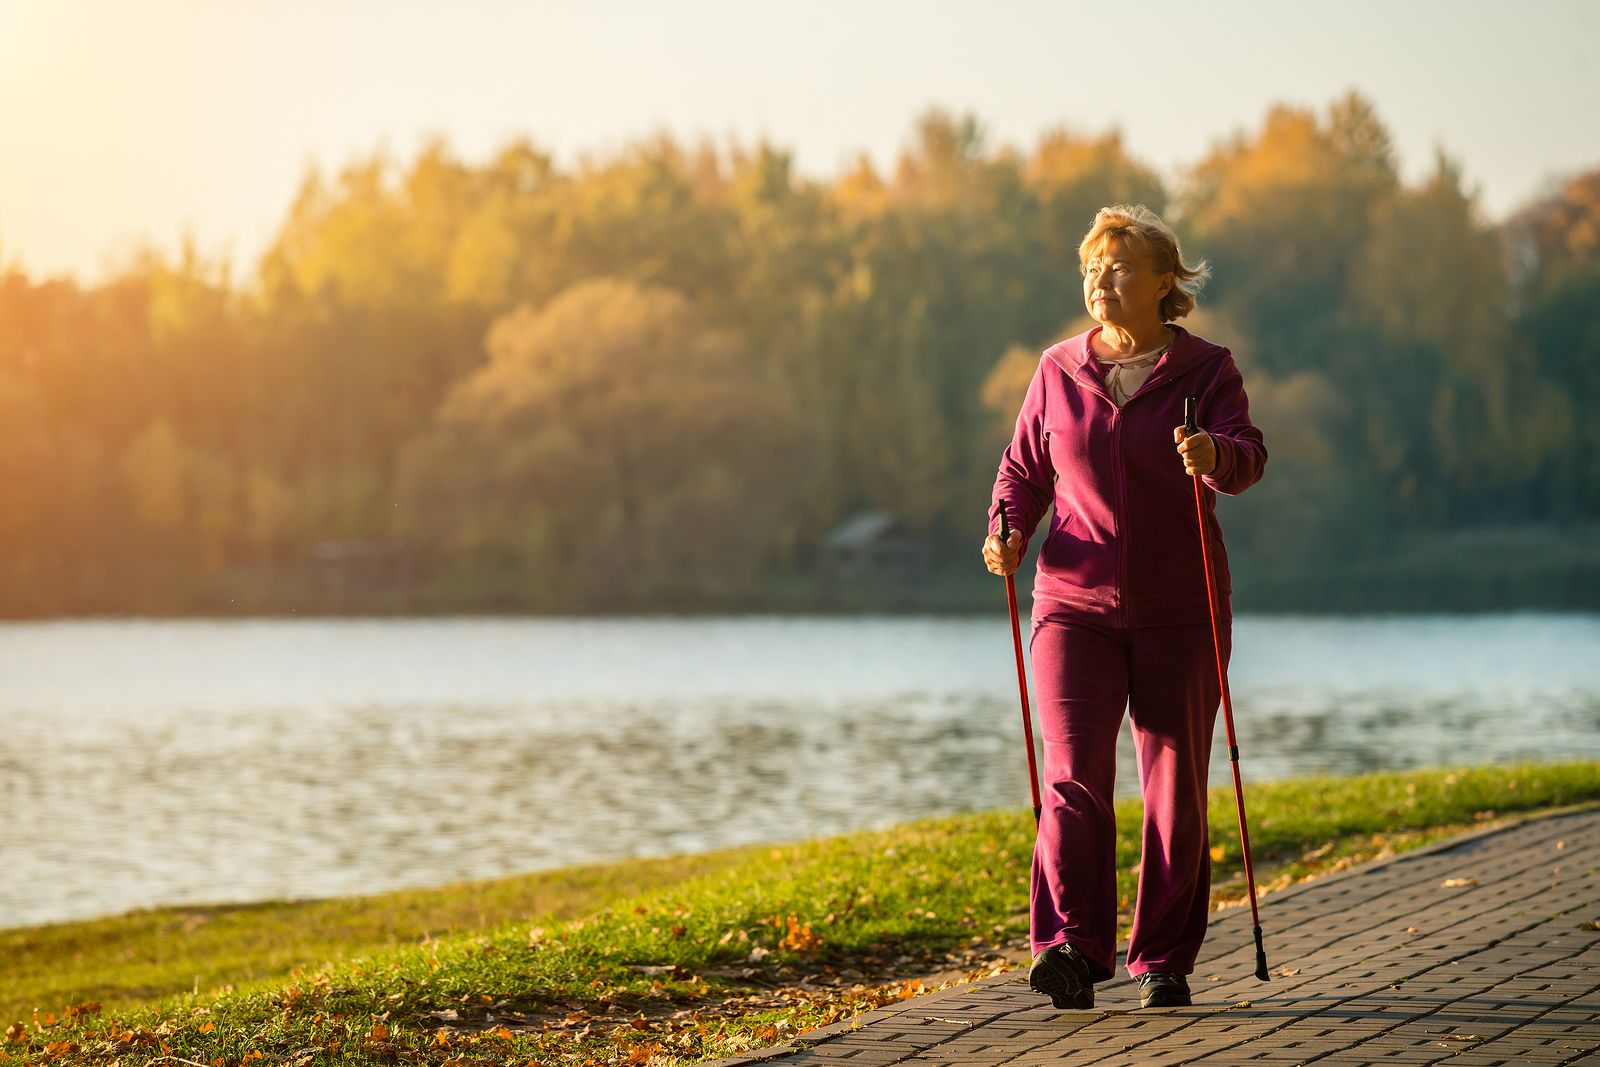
(129, 960)
(656, 961)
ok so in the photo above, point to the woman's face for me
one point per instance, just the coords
(1120, 288)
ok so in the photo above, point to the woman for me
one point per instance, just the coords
(1120, 615)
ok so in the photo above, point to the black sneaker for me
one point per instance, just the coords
(1158, 989)
(1061, 973)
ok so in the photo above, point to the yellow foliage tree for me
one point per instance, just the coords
(615, 445)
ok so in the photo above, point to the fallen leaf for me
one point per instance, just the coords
(911, 988)
(380, 1032)
(16, 1032)
(801, 939)
(211, 1028)
(1458, 883)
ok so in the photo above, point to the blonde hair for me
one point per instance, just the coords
(1143, 230)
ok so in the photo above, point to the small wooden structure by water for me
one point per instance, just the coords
(361, 569)
(874, 546)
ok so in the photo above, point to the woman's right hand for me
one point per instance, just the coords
(1003, 557)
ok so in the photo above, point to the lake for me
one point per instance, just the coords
(151, 762)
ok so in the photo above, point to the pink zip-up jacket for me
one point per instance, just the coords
(1123, 547)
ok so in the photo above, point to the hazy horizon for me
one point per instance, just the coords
(142, 126)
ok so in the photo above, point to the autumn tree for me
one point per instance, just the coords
(614, 450)
(1553, 249)
(1283, 217)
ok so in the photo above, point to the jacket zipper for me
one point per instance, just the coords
(1122, 524)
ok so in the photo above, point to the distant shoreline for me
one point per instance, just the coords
(1479, 570)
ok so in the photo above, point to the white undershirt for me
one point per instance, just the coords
(1126, 375)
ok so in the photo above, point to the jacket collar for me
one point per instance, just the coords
(1076, 358)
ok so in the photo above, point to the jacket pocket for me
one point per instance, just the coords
(1069, 560)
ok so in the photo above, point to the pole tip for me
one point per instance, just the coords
(1261, 958)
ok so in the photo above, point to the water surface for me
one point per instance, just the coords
(151, 762)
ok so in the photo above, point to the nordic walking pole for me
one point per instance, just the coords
(1191, 427)
(1022, 674)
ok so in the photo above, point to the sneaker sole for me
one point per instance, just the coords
(1166, 1000)
(1061, 986)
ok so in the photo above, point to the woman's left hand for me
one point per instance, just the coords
(1198, 451)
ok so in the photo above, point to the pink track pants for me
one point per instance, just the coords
(1085, 676)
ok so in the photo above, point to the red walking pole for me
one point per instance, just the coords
(1022, 674)
(1191, 427)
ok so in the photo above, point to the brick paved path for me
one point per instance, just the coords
(1470, 952)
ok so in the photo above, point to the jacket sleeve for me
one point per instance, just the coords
(1225, 415)
(1026, 479)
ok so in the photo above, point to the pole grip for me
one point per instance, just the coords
(1190, 404)
(1005, 525)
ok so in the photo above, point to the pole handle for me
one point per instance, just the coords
(1005, 526)
(1190, 426)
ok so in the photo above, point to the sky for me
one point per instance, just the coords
(128, 125)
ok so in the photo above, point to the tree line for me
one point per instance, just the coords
(658, 379)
